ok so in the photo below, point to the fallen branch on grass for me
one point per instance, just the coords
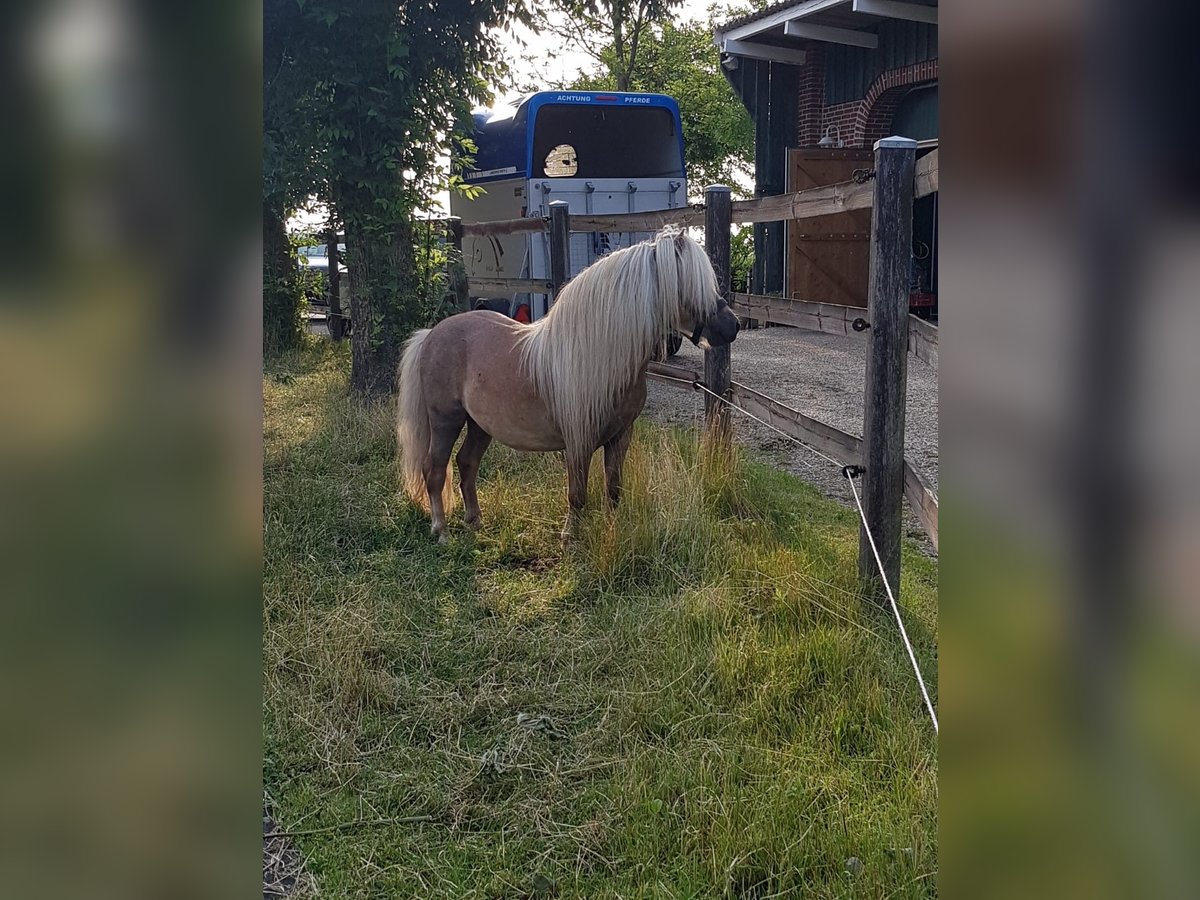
(403, 820)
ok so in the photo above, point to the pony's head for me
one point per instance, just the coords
(608, 321)
(687, 282)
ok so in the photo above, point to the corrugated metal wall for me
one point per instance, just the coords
(849, 71)
(768, 91)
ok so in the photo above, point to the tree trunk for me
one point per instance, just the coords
(281, 292)
(384, 303)
(336, 321)
(621, 69)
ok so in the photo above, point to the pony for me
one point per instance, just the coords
(573, 381)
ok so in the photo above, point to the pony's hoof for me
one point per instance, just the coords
(474, 523)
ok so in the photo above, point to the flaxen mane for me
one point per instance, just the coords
(605, 325)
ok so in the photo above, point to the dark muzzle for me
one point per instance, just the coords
(720, 328)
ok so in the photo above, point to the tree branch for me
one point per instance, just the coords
(618, 36)
(580, 39)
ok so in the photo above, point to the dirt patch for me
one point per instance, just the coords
(821, 375)
(283, 869)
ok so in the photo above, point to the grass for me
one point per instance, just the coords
(691, 701)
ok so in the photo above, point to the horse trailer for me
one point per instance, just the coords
(602, 153)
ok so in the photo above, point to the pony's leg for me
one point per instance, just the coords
(469, 455)
(441, 442)
(614, 459)
(577, 484)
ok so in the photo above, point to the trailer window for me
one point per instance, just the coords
(606, 142)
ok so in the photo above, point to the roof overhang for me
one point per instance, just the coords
(780, 33)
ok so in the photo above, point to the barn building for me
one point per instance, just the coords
(823, 80)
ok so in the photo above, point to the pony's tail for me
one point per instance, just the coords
(412, 426)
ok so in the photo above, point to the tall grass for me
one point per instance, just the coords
(692, 700)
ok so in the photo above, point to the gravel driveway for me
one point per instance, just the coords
(821, 375)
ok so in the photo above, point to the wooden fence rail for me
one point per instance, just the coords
(830, 318)
(810, 315)
(923, 499)
(818, 201)
(675, 375)
(688, 216)
(481, 287)
(528, 225)
(925, 181)
(923, 341)
(844, 447)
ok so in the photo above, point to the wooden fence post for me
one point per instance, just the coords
(887, 357)
(335, 320)
(560, 244)
(457, 267)
(718, 214)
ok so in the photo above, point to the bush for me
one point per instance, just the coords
(741, 259)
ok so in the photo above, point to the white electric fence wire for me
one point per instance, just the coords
(895, 608)
(768, 424)
(870, 537)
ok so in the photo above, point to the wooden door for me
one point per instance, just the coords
(828, 256)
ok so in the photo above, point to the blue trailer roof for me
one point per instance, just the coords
(504, 136)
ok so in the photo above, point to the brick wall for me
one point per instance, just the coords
(858, 123)
(811, 97)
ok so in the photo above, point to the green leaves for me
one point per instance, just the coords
(471, 191)
(610, 31)
(361, 100)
